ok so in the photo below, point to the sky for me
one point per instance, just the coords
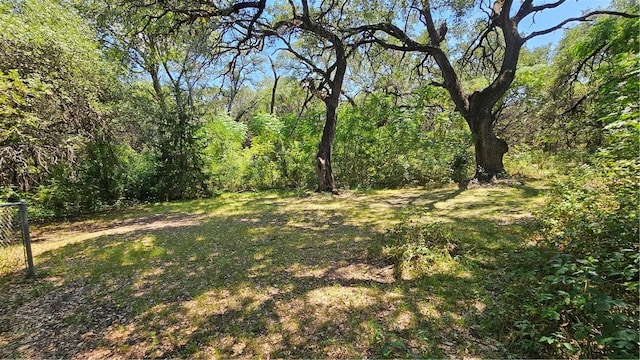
(552, 17)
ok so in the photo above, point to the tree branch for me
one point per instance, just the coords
(580, 18)
(527, 8)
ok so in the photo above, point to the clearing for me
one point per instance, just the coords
(270, 275)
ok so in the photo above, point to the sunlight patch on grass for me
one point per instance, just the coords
(298, 270)
(428, 308)
(12, 258)
(342, 297)
(275, 275)
(402, 320)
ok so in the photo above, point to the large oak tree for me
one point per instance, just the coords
(496, 50)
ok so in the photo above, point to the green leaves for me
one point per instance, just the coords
(53, 81)
(585, 292)
(386, 143)
(265, 125)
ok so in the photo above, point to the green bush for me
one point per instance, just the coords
(59, 196)
(583, 301)
(225, 160)
(528, 162)
(381, 144)
(460, 165)
(414, 248)
(103, 173)
(101, 178)
(141, 184)
(180, 164)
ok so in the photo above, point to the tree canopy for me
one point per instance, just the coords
(156, 78)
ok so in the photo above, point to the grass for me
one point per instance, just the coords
(267, 275)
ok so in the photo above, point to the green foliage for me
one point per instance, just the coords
(141, 183)
(52, 80)
(380, 144)
(526, 161)
(106, 174)
(596, 77)
(578, 292)
(300, 136)
(225, 160)
(261, 155)
(55, 89)
(460, 165)
(415, 248)
(387, 344)
(266, 147)
(9, 194)
(522, 112)
(180, 164)
(265, 126)
(20, 127)
(583, 300)
(58, 196)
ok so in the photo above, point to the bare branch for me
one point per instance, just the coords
(579, 19)
(527, 8)
(305, 60)
(349, 98)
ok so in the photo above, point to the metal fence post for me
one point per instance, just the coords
(26, 238)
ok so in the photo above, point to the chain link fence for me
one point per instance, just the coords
(14, 229)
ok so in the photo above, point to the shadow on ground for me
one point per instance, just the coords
(264, 275)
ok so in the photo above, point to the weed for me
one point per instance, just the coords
(414, 249)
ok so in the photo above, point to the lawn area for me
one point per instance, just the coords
(269, 275)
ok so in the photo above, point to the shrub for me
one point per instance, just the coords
(528, 162)
(141, 183)
(414, 248)
(460, 167)
(583, 301)
(381, 144)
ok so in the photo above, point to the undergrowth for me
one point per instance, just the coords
(572, 290)
(583, 301)
(415, 249)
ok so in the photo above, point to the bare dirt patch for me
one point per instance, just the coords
(85, 230)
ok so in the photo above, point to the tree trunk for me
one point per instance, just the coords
(489, 151)
(274, 89)
(326, 181)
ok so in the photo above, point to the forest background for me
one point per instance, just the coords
(107, 104)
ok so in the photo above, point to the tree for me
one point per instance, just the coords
(325, 72)
(596, 68)
(54, 83)
(521, 111)
(177, 59)
(495, 50)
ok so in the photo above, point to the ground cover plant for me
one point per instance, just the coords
(273, 275)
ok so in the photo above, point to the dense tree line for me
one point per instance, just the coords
(106, 102)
